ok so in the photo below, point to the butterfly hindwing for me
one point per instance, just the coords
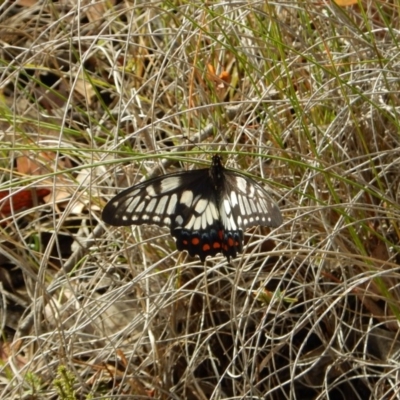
(209, 242)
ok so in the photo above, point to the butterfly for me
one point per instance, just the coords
(206, 209)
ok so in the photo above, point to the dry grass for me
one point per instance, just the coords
(301, 95)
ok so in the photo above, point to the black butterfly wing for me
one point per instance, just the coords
(156, 201)
(197, 227)
(206, 209)
(245, 203)
(186, 202)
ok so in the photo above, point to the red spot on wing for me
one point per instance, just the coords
(210, 242)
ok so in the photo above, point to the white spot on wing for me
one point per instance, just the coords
(209, 216)
(250, 191)
(134, 193)
(201, 206)
(247, 205)
(213, 209)
(186, 198)
(264, 206)
(171, 183)
(196, 199)
(150, 191)
(162, 203)
(232, 223)
(241, 184)
(227, 207)
(132, 205)
(234, 199)
(179, 220)
(190, 224)
(150, 206)
(197, 224)
(228, 222)
(241, 205)
(172, 204)
(140, 207)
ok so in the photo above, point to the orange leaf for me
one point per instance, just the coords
(221, 80)
(23, 199)
(344, 3)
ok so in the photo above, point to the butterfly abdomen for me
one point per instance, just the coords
(217, 174)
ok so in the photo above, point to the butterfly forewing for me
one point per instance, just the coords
(245, 203)
(206, 209)
(154, 201)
